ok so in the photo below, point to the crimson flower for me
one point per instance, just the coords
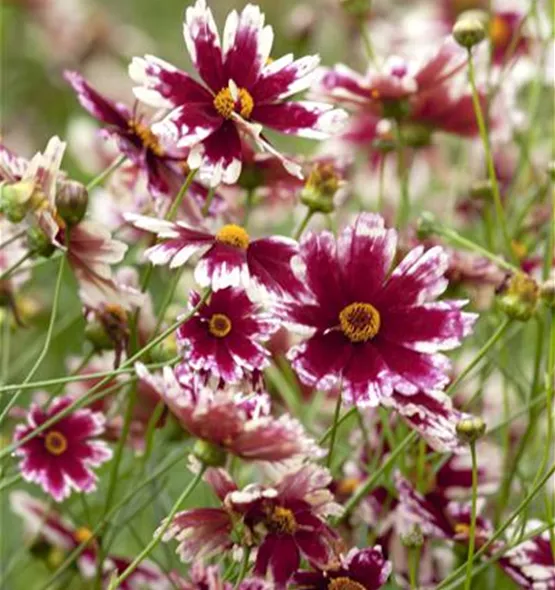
(374, 330)
(60, 457)
(229, 258)
(244, 90)
(360, 569)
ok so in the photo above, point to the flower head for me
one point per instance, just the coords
(61, 456)
(243, 91)
(229, 257)
(373, 329)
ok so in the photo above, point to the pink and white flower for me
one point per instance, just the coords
(373, 330)
(243, 91)
(60, 458)
(224, 338)
(228, 258)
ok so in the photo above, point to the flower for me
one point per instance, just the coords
(224, 337)
(229, 257)
(372, 331)
(238, 423)
(360, 569)
(61, 456)
(243, 91)
(290, 519)
(164, 167)
(210, 578)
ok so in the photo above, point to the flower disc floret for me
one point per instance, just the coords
(344, 584)
(233, 235)
(282, 520)
(219, 325)
(225, 103)
(360, 322)
(147, 137)
(55, 442)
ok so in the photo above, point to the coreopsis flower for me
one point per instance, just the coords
(229, 258)
(244, 90)
(62, 456)
(224, 338)
(374, 330)
(237, 423)
(360, 569)
(289, 520)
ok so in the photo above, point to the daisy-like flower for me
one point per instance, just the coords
(209, 577)
(244, 90)
(224, 337)
(374, 330)
(289, 518)
(61, 457)
(237, 423)
(360, 569)
(229, 258)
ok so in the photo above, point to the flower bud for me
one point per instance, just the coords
(72, 199)
(471, 429)
(97, 335)
(209, 454)
(15, 200)
(416, 136)
(320, 188)
(519, 297)
(469, 30)
(39, 243)
(425, 226)
(413, 539)
(547, 292)
(482, 190)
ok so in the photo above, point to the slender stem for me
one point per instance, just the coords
(13, 239)
(6, 333)
(343, 418)
(367, 42)
(244, 566)
(83, 400)
(403, 176)
(6, 274)
(334, 427)
(472, 539)
(158, 536)
(209, 197)
(500, 213)
(308, 216)
(172, 213)
(46, 346)
(414, 562)
(550, 376)
(106, 172)
(168, 298)
(248, 206)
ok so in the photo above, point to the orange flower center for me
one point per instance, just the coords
(233, 235)
(347, 486)
(147, 137)
(344, 583)
(82, 534)
(225, 103)
(282, 520)
(219, 325)
(500, 31)
(375, 93)
(359, 321)
(55, 442)
(462, 529)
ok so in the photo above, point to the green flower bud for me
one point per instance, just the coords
(15, 200)
(547, 292)
(72, 199)
(519, 297)
(413, 539)
(471, 429)
(209, 454)
(39, 242)
(320, 188)
(469, 30)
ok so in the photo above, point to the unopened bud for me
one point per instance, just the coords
(15, 200)
(320, 188)
(471, 429)
(519, 297)
(426, 225)
(39, 243)
(209, 454)
(482, 190)
(413, 539)
(547, 292)
(416, 136)
(97, 335)
(469, 30)
(72, 199)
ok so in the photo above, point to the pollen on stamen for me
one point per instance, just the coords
(55, 442)
(344, 583)
(225, 104)
(219, 325)
(233, 235)
(146, 136)
(359, 321)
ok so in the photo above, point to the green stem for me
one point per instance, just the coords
(343, 418)
(46, 346)
(414, 562)
(168, 298)
(13, 239)
(304, 223)
(403, 210)
(105, 173)
(6, 333)
(158, 536)
(244, 566)
(248, 206)
(500, 213)
(172, 213)
(472, 538)
(209, 197)
(334, 428)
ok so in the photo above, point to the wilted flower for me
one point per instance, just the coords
(373, 332)
(60, 458)
(229, 257)
(244, 91)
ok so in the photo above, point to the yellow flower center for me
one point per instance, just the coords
(463, 529)
(226, 105)
(347, 486)
(282, 520)
(233, 235)
(344, 583)
(375, 93)
(359, 321)
(55, 442)
(499, 31)
(147, 137)
(219, 325)
(82, 534)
